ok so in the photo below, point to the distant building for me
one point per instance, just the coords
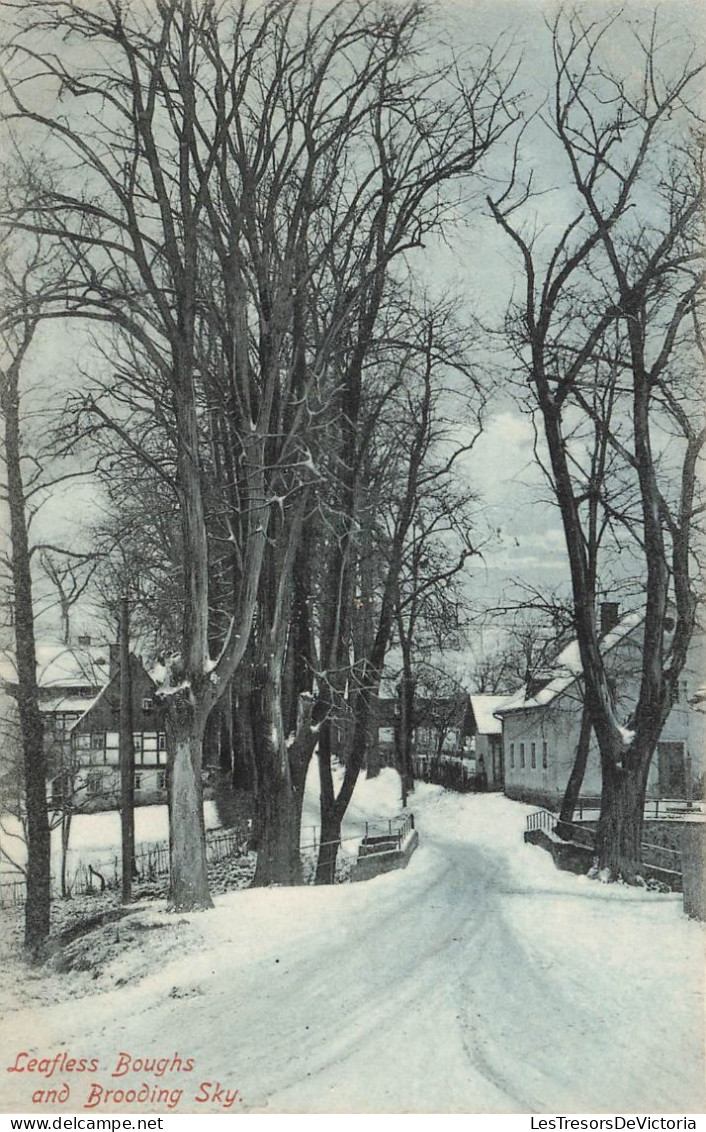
(541, 722)
(95, 741)
(458, 734)
(440, 725)
(486, 738)
(79, 698)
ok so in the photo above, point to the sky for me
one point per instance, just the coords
(478, 262)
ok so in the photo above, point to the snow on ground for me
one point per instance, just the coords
(480, 979)
(95, 837)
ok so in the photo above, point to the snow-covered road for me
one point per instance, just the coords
(478, 980)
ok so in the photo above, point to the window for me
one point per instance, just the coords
(512, 755)
(83, 740)
(137, 740)
(533, 756)
(147, 703)
(161, 741)
(97, 740)
(522, 754)
(138, 781)
(149, 748)
(60, 789)
(545, 756)
(161, 779)
(62, 721)
(94, 784)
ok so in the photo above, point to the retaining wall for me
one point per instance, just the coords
(694, 869)
(372, 864)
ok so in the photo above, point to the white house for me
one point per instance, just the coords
(541, 723)
(486, 741)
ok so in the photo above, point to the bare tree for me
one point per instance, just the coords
(70, 573)
(619, 291)
(429, 598)
(17, 329)
(396, 480)
(248, 178)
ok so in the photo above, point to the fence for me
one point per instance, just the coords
(389, 832)
(654, 807)
(657, 856)
(393, 829)
(541, 819)
(449, 771)
(152, 858)
(151, 862)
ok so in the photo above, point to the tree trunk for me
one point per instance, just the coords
(127, 758)
(244, 761)
(328, 846)
(405, 730)
(330, 833)
(225, 735)
(578, 770)
(185, 726)
(278, 858)
(38, 875)
(298, 668)
(300, 754)
(373, 761)
(66, 817)
(619, 833)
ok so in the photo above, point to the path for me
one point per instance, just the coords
(469, 983)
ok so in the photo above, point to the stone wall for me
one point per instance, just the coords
(372, 864)
(693, 848)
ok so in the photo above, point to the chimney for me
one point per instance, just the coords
(609, 616)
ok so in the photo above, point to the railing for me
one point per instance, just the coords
(394, 828)
(666, 808)
(660, 857)
(656, 856)
(12, 892)
(390, 833)
(542, 819)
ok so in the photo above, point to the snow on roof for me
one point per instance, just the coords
(567, 668)
(67, 703)
(88, 705)
(483, 708)
(63, 666)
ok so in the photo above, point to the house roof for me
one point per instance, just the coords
(483, 708)
(428, 711)
(67, 703)
(112, 689)
(63, 666)
(567, 668)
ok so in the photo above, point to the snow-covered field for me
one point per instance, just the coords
(478, 980)
(95, 838)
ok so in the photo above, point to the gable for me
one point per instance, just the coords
(104, 713)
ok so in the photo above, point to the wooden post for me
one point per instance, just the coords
(127, 758)
(688, 784)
